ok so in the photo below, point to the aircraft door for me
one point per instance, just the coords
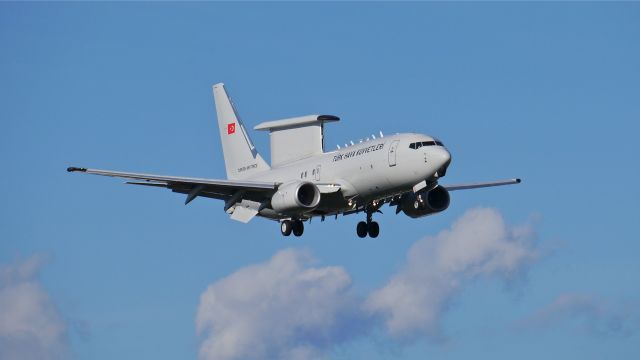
(392, 152)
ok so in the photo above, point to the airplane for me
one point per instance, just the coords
(305, 181)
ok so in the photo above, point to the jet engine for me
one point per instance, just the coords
(425, 203)
(295, 198)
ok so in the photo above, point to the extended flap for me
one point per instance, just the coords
(243, 214)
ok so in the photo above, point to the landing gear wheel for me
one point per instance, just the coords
(373, 229)
(298, 227)
(361, 229)
(286, 227)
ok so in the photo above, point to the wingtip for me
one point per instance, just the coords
(518, 181)
(73, 168)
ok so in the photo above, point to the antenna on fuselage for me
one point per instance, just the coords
(351, 142)
(373, 136)
(338, 147)
(381, 135)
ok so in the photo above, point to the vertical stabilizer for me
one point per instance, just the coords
(241, 158)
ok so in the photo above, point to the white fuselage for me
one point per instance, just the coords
(367, 171)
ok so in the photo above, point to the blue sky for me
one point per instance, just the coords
(548, 92)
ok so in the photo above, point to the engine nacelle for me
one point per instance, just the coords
(295, 198)
(425, 203)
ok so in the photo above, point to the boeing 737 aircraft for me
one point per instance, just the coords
(305, 181)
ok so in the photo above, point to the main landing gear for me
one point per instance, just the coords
(289, 226)
(370, 227)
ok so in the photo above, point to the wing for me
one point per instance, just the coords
(482, 185)
(230, 191)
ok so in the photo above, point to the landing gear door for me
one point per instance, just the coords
(393, 149)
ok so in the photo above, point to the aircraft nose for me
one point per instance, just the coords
(441, 157)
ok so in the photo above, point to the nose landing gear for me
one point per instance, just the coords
(370, 227)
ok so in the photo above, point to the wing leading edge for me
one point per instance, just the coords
(482, 184)
(231, 191)
(247, 185)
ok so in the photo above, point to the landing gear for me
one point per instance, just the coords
(289, 226)
(373, 229)
(369, 227)
(361, 229)
(298, 227)
(285, 227)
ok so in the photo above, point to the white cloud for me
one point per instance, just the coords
(283, 308)
(30, 325)
(286, 308)
(478, 244)
(589, 313)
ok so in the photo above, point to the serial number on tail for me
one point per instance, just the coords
(248, 167)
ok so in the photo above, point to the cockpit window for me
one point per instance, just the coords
(419, 144)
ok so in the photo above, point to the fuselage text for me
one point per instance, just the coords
(353, 153)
